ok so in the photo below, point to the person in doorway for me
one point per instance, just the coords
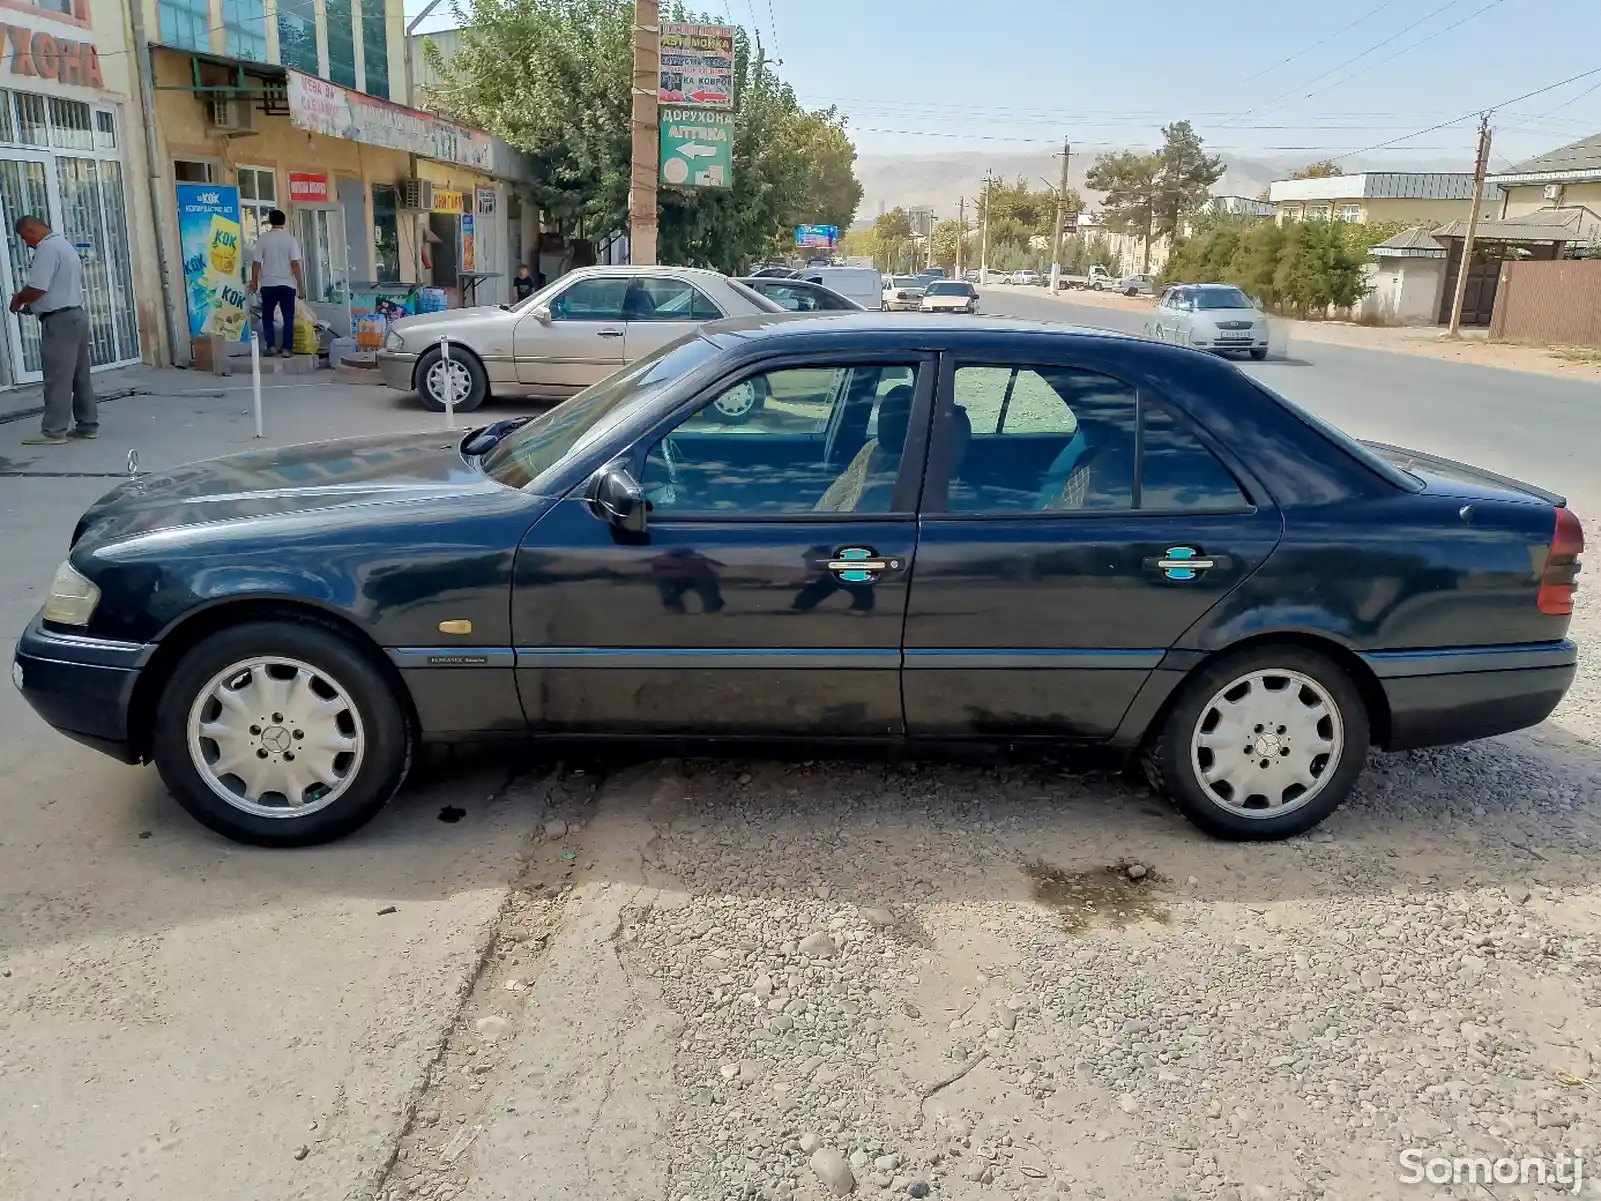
(277, 276)
(524, 285)
(54, 294)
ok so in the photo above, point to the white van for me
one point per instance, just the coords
(864, 285)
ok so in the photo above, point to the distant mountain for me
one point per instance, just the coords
(889, 180)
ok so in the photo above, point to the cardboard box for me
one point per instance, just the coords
(211, 354)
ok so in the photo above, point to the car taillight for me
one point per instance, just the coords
(1558, 582)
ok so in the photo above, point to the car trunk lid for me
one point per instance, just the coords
(1447, 477)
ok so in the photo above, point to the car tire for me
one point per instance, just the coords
(1259, 353)
(1095, 287)
(324, 689)
(1302, 696)
(748, 403)
(430, 378)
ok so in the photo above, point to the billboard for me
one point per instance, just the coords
(697, 65)
(823, 237)
(212, 241)
(697, 148)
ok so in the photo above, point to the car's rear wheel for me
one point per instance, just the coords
(461, 376)
(280, 733)
(742, 402)
(1263, 744)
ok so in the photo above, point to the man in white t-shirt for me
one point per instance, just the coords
(276, 274)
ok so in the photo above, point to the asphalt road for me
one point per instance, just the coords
(181, 1017)
(1532, 427)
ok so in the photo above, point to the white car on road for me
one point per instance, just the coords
(1137, 285)
(1216, 317)
(570, 334)
(1029, 278)
(950, 296)
(903, 294)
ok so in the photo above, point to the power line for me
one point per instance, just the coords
(1403, 50)
(1320, 42)
(1380, 45)
(1550, 87)
(1593, 87)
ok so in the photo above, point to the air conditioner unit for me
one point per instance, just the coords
(1553, 192)
(230, 116)
(417, 195)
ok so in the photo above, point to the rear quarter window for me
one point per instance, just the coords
(1375, 463)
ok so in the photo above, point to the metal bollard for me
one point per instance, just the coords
(255, 378)
(450, 384)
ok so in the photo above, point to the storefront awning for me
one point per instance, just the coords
(218, 75)
(318, 106)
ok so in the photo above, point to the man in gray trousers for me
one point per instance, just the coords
(55, 295)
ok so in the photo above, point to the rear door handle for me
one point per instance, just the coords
(609, 333)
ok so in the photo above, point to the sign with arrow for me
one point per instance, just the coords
(697, 148)
(697, 65)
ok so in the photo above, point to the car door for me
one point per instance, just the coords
(662, 309)
(1074, 527)
(576, 338)
(767, 595)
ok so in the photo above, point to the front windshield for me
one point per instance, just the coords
(522, 457)
(1222, 298)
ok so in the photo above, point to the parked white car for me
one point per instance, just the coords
(950, 296)
(563, 338)
(1215, 317)
(1137, 285)
(1028, 278)
(902, 294)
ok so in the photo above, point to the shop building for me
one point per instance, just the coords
(290, 106)
(71, 152)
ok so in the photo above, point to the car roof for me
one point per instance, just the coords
(779, 332)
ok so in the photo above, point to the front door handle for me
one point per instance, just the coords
(860, 565)
(609, 333)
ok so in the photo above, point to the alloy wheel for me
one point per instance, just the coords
(736, 403)
(276, 737)
(1267, 743)
(449, 382)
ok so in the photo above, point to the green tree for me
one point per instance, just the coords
(553, 77)
(1184, 178)
(1325, 169)
(1130, 183)
(892, 240)
(948, 236)
(1018, 213)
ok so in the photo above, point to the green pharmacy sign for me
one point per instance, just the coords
(697, 147)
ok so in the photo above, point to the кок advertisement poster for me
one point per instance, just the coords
(210, 236)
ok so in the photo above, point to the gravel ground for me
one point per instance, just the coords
(1018, 981)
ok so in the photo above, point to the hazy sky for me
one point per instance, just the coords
(935, 76)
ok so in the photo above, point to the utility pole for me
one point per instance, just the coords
(1061, 215)
(647, 136)
(1479, 168)
(961, 232)
(984, 238)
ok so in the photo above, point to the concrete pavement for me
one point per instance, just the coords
(1532, 427)
(181, 1017)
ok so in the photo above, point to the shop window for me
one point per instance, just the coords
(8, 124)
(297, 35)
(244, 27)
(105, 129)
(71, 127)
(341, 42)
(191, 171)
(185, 24)
(322, 254)
(386, 232)
(258, 196)
(375, 48)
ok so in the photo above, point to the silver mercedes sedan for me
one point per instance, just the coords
(570, 334)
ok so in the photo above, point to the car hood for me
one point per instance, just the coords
(315, 477)
(458, 323)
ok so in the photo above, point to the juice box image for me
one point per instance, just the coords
(224, 245)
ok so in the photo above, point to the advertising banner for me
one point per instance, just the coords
(211, 239)
(307, 187)
(822, 237)
(697, 65)
(697, 148)
(469, 246)
(318, 106)
(448, 200)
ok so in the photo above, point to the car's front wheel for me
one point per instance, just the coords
(1263, 744)
(280, 733)
(461, 376)
(743, 401)
(1259, 353)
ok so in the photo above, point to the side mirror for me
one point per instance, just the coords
(540, 313)
(620, 499)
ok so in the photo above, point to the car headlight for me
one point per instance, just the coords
(393, 341)
(73, 597)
